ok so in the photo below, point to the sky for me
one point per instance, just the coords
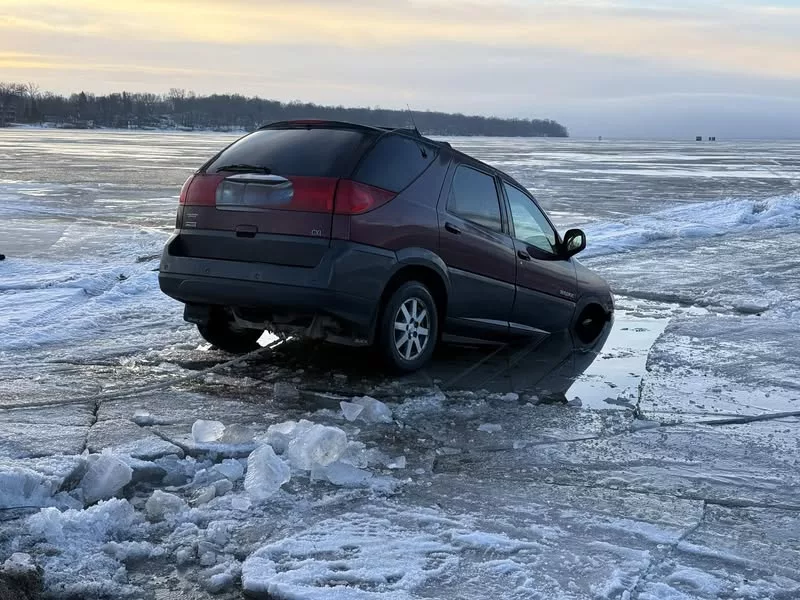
(618, 68)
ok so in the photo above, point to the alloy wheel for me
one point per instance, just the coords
(411, 328)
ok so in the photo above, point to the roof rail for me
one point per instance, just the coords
(313, 122)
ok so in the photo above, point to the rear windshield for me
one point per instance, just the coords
(306, 152)
(394, 162)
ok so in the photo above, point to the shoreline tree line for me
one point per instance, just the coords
(179, 109)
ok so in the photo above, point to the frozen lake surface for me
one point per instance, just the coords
(626, 491)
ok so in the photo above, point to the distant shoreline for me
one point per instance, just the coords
(231, 130)
(240, 131)
(186, 111)
(68, 127)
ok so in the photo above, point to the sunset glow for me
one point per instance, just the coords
(510, 57)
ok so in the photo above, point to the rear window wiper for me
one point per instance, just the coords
(242, 168)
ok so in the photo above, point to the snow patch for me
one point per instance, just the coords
(355, 556)
(82, 565)
(498, 542)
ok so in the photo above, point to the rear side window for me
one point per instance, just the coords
(473, 196)
(395, 162)
(302, 152)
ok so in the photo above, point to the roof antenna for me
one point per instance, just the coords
(420, 146)
(411, 116)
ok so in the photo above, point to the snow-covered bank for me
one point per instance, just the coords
(732, 216)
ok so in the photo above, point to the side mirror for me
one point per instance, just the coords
(574, 242)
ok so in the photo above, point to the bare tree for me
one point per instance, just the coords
(32, 90)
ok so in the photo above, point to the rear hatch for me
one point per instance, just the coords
(271, 196)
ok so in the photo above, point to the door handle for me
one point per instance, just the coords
(523, 255)
(452, 228)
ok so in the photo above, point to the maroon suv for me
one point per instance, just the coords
(364, 235)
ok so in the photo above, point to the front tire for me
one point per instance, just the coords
(409, 328)
(221, 332)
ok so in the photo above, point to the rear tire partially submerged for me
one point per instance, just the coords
(409, 328)
(221, 332)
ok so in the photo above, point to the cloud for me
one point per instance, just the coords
(712, 38)
(33, 62)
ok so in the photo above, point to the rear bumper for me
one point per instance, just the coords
(346, 284)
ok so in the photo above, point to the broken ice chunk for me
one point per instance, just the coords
(241, 503)
(184, 556)
(142, 418)
(280, 434)
(204, 431)
(374, 411)
(490, 427)
(161, 505)
(219, 577)
(340, 473)
(230, 468)
(107, 475)
(236, 434)
(350, 410)
(223, 486)
(356, 455)
(320, 445)
(218, 487)
(18, 563)
(376, 457)
(266, 473)
(205, 495)
(218, 532)
(397, 463)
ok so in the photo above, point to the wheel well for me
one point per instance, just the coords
(590, 322)
(430, 278)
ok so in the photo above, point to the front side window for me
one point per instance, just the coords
(530, 224)
(473, 197)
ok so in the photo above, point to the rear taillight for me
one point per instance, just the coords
(313, 194)
(201, 190)
(185, 189)
(353, 198)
